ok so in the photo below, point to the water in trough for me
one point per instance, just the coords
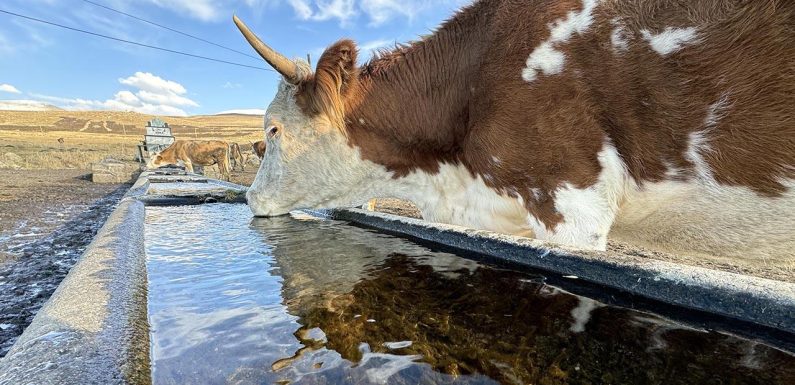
(241, 300)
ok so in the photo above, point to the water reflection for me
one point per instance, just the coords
(284, 300)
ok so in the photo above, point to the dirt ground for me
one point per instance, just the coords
(47, 218)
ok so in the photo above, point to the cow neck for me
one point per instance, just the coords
(411, 110)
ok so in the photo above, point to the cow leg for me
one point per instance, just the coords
(587, 215)
(223, 167)
(582, 227)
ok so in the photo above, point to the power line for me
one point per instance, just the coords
(170, 29)
(133, 42)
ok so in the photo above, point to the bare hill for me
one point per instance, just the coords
(128, 123)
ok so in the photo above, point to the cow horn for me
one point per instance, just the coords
(279, 62)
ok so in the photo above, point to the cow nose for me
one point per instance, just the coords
(256, 204)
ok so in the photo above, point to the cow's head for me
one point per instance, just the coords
(307, 162)
(155, 162)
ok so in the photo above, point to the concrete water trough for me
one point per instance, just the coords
(96, 328)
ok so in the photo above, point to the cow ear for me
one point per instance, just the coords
(337, 66)
(334, 80)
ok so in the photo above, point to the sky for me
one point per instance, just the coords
(75, 71)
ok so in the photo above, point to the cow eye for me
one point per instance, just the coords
(272, 131)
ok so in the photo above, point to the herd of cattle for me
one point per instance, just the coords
(189, 153)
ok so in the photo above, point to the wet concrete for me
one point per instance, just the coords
(39, 265)
(93, 330)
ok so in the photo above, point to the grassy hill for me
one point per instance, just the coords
(128, 123)
(30, 139)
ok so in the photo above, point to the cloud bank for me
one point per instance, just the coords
(9, 88)
(152, 95)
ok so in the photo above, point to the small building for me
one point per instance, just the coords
(157, 138)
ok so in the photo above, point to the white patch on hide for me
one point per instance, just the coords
(670, 39)
(546, 58)
(619, 38)
(698, 143)
(588, 213)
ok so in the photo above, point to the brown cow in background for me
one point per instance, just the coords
(236, 157)
(199, 152)
(259, 148)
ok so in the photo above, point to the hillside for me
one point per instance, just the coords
(128, 123)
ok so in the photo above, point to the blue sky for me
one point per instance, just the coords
(77, 71)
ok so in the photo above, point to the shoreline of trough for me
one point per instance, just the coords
(94, 329)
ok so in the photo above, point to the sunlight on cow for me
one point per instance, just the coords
(189, 152)
(567, 121)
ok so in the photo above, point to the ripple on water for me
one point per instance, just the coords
(242, 300)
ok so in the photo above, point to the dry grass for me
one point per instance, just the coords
(122, 122)
(29, 139)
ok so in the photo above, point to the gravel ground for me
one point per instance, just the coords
(47, 218)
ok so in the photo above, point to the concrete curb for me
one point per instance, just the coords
(758, 301)
(93, 330)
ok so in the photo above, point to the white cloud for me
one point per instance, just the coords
(167, 99)
(301, 8)
(205, 10)
(232, 86)
(154, 96)
(370, 46)
(377, 11)
(9, 88)
(381, 11)
(149, 82)
(5, 45)
(24, 105)
(128, 98)
(321, 10)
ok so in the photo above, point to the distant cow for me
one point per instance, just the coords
(236, 156)
(259, 148)
(664, 123)
(200, 152)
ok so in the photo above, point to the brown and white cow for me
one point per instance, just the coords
(667, 124)
(190, 152)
